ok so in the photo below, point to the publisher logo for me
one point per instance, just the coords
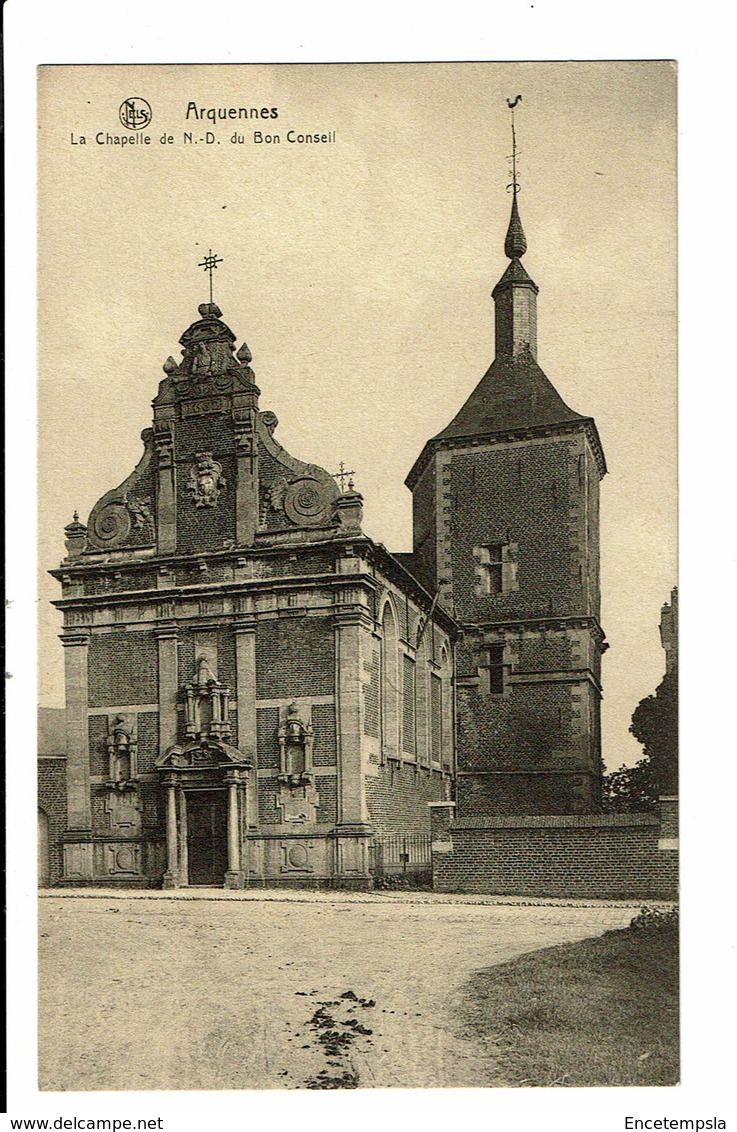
(135, 113)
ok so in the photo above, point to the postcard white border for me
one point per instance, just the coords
(698, 37)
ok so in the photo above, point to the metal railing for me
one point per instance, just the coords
(400, 853)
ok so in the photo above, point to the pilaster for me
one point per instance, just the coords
(168, 685)
(235, 876)
(171, 876)
(183, 835)
(166, 511)
(245, 672)
(76, 647)
(352, 807)
(247, 506)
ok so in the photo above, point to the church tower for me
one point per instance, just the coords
(506, 531)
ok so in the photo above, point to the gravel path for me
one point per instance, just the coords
(276, 991)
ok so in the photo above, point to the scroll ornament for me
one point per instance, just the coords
(110, 525)
(306, 500)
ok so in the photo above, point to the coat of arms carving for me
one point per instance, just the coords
(206, 480)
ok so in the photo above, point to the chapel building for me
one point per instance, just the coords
(255, 689)
(258, 692)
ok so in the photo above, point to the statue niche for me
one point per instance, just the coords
(122, 802)
(295, 749)
(207, 705)
(122, 751)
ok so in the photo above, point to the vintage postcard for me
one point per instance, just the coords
(358, 609)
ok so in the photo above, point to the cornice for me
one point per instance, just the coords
(516, 624)
(375, 553)
(509, 436)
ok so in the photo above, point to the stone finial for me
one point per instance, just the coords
(209, 310)
(349, 509)
(244, 355)
(170, 366)
(76, 536)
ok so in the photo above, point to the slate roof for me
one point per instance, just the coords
(514, 393)
(515, 273)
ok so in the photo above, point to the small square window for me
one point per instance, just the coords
(492, 671)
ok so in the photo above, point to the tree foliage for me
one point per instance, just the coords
(655, 724)
(630, 790)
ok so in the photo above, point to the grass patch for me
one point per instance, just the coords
(600, 1012)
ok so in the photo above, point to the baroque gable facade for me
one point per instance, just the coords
(254, 687)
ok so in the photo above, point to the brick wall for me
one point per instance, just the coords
(397, 797)
(591, 856)
(522, 495)
(525, 730)
(52, 800)
(488, 795)
(325, 748)
(538, 499)
(295, 657)
(372, 693)
(123, 669)
(327, 788)
(288, 565)
(204, 528)
(267, 741)
(189, 573)
(212, 433)
(148, 741)
(119, 581)
(268, 793)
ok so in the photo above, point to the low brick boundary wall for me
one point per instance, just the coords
(589, 856)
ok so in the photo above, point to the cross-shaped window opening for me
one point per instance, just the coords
(491, 559)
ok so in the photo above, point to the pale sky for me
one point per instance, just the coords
(359, 272)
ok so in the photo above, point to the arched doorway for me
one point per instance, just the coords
(44, 869)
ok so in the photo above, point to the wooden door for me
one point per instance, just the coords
(207, 848)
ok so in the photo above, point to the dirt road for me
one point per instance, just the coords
(310, 992)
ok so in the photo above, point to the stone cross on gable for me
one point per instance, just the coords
(342, 476)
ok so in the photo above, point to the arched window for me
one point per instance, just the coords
(389, 684)
(422, 694)
(437, 703)
(446, 711)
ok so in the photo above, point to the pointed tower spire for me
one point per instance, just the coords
(515, 244)
(515, 295)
